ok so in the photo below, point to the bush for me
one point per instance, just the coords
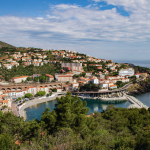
(18, 99)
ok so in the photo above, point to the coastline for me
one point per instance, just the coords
(30, 103)
(105, 99)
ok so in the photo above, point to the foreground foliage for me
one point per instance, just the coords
(68, 127)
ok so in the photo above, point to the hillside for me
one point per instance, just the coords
(3, 44)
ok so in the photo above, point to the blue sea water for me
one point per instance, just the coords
(142, 63)
(35, 111)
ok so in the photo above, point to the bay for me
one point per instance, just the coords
(34, 112)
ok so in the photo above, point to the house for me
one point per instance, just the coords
(113, 86)
(104, 85)
(26, 63)
(74, 86)
(8, 66)
(50, 77)
(7, 103)
(94, 80)
(19, 79)
(85, 80)
(88, 74)
(99, 67)
(59, 89)
(67, 87)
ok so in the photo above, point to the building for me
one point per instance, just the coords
(50, 77)
(104, 85)
(19, 79)
(32, 90)
(128, 71)
(88, 74)
(65, 78)
(72, 66)
(7, 103)
(113, 86)
(94, 80)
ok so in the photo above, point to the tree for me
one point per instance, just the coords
(110, 107)
(28, 95)
(83, 74)
(1, 113)
(30, 131)
(3, 107)
(29, 79)
(41, 93)
(70, 112)
(67, 82)
(54, 90)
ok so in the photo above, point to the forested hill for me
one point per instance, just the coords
(3, 44)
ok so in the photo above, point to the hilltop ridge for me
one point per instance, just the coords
(3, 44)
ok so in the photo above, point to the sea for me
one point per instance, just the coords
(35, 112)
(142, 63)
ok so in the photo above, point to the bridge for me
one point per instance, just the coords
(135, 103)
(23, 86)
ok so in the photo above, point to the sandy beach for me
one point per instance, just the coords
(22, 111)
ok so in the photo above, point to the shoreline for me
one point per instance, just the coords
(30, 103)
(105, 99)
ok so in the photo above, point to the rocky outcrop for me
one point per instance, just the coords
(140, 88)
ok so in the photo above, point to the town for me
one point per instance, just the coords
(73, 72)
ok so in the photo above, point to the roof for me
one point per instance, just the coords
(113, 85)
(64, 76)
(20, 77)
(5, 101)
(50, 76)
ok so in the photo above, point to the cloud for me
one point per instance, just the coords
(64, 6)
(80, 26)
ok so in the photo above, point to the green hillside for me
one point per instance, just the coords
(3, 44)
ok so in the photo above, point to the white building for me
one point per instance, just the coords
(94, 80)
(124, 72)
(19, 79)
(104, 85)
(113, 87)
(32, 90)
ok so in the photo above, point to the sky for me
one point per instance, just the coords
(106, 29)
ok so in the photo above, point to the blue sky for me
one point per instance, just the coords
(109, 29)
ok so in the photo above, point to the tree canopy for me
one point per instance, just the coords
(69, 127)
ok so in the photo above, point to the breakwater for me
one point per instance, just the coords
(135, 103)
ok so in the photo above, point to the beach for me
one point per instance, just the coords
(36, 101)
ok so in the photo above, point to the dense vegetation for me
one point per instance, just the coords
(7, 74)
(141, 69)
(68, 127)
